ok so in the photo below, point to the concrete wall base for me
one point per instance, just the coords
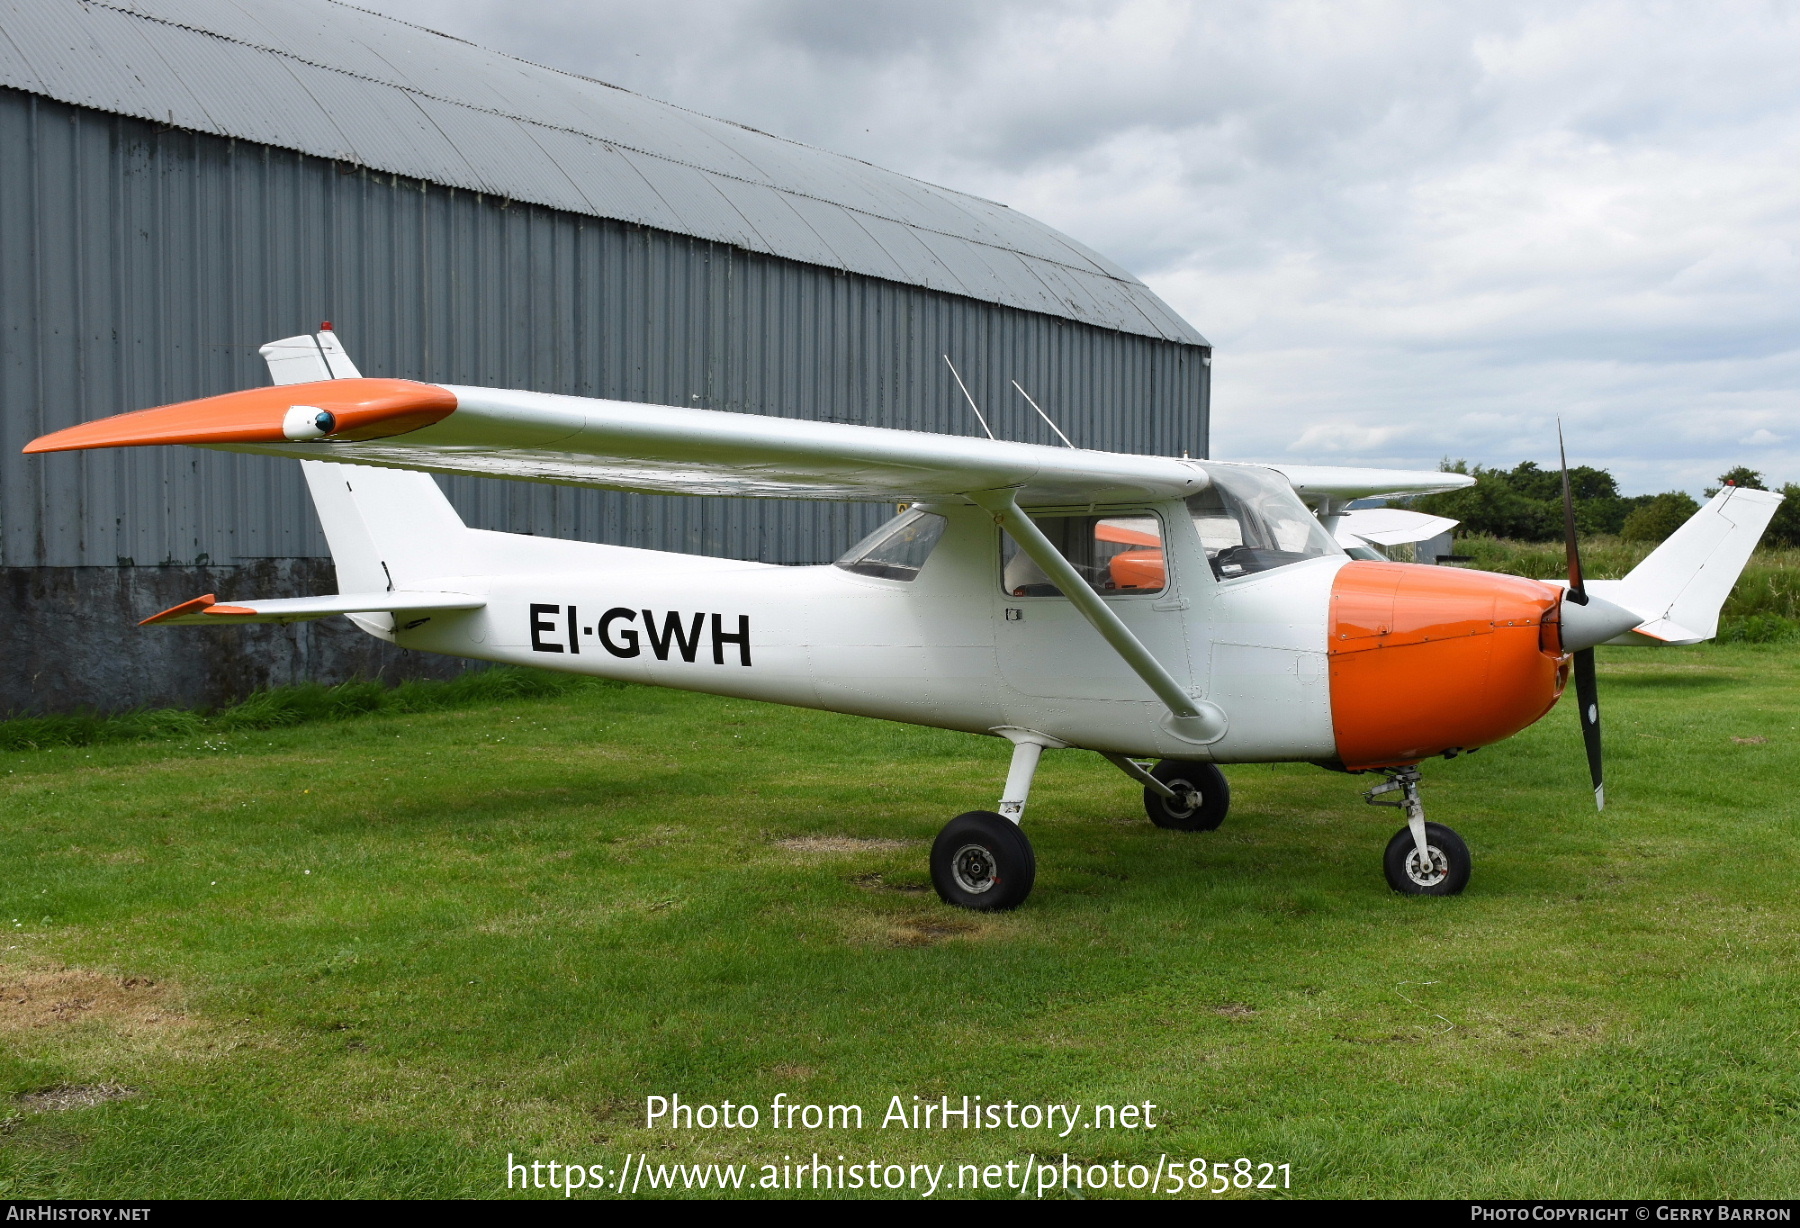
(71, 641)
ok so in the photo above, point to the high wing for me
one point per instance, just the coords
(664, 449)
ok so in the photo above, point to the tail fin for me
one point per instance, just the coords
(388, 528)
(1681, 587)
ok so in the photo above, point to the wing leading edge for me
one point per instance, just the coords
(663, 449)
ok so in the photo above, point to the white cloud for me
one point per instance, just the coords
(1411, 229)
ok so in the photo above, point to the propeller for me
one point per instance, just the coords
(1587, 685)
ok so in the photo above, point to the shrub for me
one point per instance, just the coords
(1758, 629)
(1658, 518)
(1524, 503)
(1738, 475)
(1784, 530)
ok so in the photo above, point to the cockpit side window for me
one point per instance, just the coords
(1116, 555)
(1251, 520)
(898, 549)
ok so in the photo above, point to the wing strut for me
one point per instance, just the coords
(1192, 720)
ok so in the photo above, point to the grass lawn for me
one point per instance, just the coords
(373, 956)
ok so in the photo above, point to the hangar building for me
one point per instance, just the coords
(182, 180)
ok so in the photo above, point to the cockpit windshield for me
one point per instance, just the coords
(1250, 520)
(898, 549)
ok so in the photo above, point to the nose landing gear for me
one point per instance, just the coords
(1422, 858)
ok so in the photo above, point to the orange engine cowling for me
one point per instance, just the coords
(1429, 659)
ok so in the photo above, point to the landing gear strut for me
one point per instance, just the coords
(1179, 794)
(981, 859)
(1201, 799)
(1422, 858)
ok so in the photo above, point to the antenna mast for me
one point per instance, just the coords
(970, 399)
(1042, 414)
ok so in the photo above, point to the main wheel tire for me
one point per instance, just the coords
(1448, 872)
(982, 861)
(1205, 796)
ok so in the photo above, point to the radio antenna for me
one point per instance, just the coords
(970, 399)
(1042, 414)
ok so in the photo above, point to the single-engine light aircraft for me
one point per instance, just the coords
(1147, 608)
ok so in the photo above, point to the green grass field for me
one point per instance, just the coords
(373, 955)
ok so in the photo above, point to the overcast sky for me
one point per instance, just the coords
(1412, 230)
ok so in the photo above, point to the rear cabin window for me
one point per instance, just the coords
(1114, 554)
(898, 549)
(1251, 520)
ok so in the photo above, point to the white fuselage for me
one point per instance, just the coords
(949, 648)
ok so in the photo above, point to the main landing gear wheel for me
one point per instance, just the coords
(1203, 796)
(982, 861)
(1447, 872)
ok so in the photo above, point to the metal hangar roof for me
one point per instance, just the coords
(327, 79)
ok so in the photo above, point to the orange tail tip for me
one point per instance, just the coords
(198, 605)
(357, 409)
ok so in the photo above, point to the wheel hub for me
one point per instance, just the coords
(974, 869)
(1430, 873)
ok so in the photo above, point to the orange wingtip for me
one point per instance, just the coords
(227, 609)
(195, 606)
(362, 408)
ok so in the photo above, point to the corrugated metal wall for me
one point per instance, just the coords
(328, 79)
(140, 266)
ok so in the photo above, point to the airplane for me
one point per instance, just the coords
(1170, 614)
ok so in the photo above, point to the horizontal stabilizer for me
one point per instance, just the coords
(1390, 526)
(208, 611)
(1669, 632)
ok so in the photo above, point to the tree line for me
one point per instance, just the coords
(1525, 503)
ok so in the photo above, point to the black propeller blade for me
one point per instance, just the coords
(1587, 685)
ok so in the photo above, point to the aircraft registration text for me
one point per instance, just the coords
(561, 629)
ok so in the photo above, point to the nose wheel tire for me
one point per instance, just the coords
(982, 861)
(1201, 801)
(1446, 872)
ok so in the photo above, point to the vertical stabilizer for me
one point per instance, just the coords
(295, 360)
(387, 528)
(1680, 588)
(336, 360)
